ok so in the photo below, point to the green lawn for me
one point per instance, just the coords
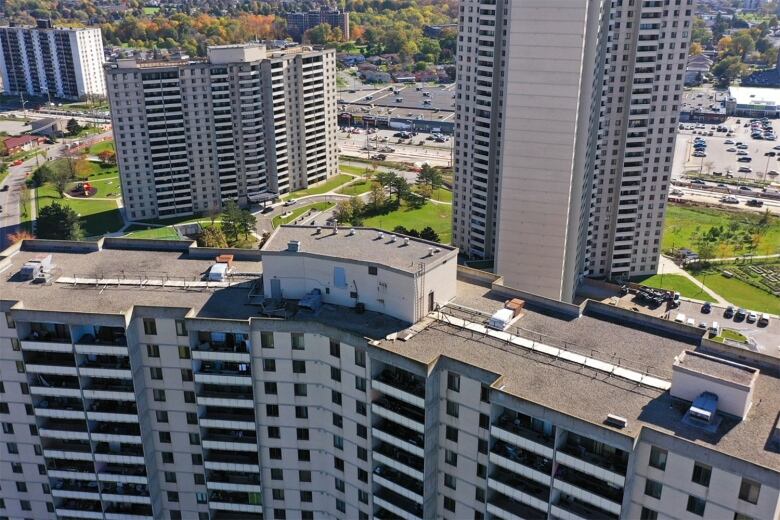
(106, 187)
(682, 221)
(354, 170)
(101, 147)
(319, 189)
(89, 169)
(739, 293)
(98, 217)
(439, 194)
(297, 212)
(437, 216)
(676, 282)
(159, 233)
(356, 188)
(733, 335)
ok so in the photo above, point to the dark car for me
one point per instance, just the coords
(267, 209)
(744, 159)
(729, 312)
(4, 188)
(706, 308)
(740, 314)
(755, 203)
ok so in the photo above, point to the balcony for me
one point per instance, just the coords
(522, 462)
(106, 367)
(108, 411)
(520, 489)
(49, 332)
(400, 460)
(399, 482)
(64, 429)
(70, 469)
(124, 454)
(583, 454)
(236, 501)
(66, 449)
(228, 418)
(229, 481)
(75, 508)
(124, 473)
(102, 340)
(115, 432)
(401, 385)
(400, 412)
(57, 363)
(224, 372)
(594, 491)
(223, 440)
(48, 345)
(570, 507)
(70, 488)
(400, 436)
(121, 510)
(60, 408)
(55, 385)
(99, 388)
(397, 504)
(226, 396)
(226, 458)
(524, 431)
(502, 506)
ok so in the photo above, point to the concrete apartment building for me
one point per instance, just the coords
(546, 179)
(245, 124)
(643, 87)
(314, 384)
(58, 62)
(300, 22)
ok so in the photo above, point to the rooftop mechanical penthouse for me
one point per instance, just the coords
(350, 373)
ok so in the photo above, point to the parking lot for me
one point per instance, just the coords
(721, 156)
(763, 339)
(418, 149)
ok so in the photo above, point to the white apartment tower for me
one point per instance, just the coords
(58, 62)
(644, 72)
(539, 95)
(244, 124)
(347, 374)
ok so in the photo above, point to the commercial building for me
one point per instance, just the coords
(300, 22)
(319, 384)
(58, 62)
(554, 174)
(245, 124)
(753, 102)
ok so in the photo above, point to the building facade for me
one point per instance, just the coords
(246, 124)
(546, 180)
(300, 22)
(181, 398)
(58, 62)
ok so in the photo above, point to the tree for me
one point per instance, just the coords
(429, 234)
(25, 198)
(377, 198)
(728, 69)
(19, 236)
(696, 49)
(73, 127)
(400, 186)
(430, 176)
(246, 222)
(59, 222)
(231, 221)
(212, 237)
(107, 156)
(400, 230)
(40, 176)
(60, 178)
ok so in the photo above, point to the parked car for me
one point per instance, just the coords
(728, 141)
(755, 203)
(695, 154)
(743, 159)
(744, 169)
(751, 317)
(744, 188)
(289, 202)
(732, 149)
(740, 314)
(730, 199)
(742, 153)
(729, 312)
(706, 308)
(698, 181)
(4, 188)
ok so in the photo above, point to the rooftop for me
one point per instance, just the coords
(716, 368)
(755, 95)
(361, 244)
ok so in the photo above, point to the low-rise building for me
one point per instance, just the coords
(20, 143)
(753, 102)
(350, 374)
(50, 126)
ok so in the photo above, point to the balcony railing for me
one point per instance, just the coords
(410, 506)
(116, 428)
(404, 457)
(66, 445)
(229, 414)
(70, 465)
(523, 457)
(583, 509)
(80, 505)
(617, 461)
(108, 362)
(110, 385)
(56, 334)
(527, 486)
(54, 381)
(224, 368)
(218, 436)
(226, 477)
(401, 408)
(589, 483)
(130, 450)
(516, 508)
(121, 508)
(521, 425)
(65, 425)
(115, 488)
(111, 407)
(104, 336)
(400, 432)
(226, 392)
(80, 486)
(130, 470)
(403, 381)
(49, 358)
(230, 457)
(236, 497)
(400, 479)
(60, 403)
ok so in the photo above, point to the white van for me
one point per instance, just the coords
(680, 318)
(691, 322)
(715, 328)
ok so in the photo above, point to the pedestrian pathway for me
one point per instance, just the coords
(667, 266)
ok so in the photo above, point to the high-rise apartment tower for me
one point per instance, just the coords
(59, 62)
(244, 124)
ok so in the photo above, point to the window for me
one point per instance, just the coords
(450, 457)
(170, 476)
(360, 358)
(479, 494)
(335, 397)
(184, 352)
(267, 340)
(372, 270)
(360, 383)
(301, 412)
(150, 326)
(280, 514)
(162, 417)
(197, 459)
(181, 328)
(449, 481)
(155, 372)
(360, 407)
(272, 410)
(484, 421)
(8, 428)
(341, 506)
(338, 463)
(648, 514)
(452, 408)
(275, 453)
(270, 388)
(482, 446)
(278, 494)
(452, 434)
(362, 453)
(362, 475)
(338, 422)
(16, 467)
(192, 418)
(362, 496)
(740, 516)
(273, 432)
(701, 474)
(695, 505)
(304, 455)
(749, 491)
(484, 394)
(186, 374)
(335, 374)
(306, 496)
(277, 474)
(338, 442)
(194, 439)
(167, 456)
(165, 437)
(302, 434)
(153, 351)
(449, 504)
(339, 484)
(653, 488)
(335, 348)
(269, 365)
(481, 471)
(362, 431)
(304, 475)
(173, 496)
(300, 389)
(296, 339)
(199, 479)
(21, 487)
(658, 458)
(453, 381)
(299, 366)
(159, 395)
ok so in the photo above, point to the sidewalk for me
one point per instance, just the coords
(667, 266)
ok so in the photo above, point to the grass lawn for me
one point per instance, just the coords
(681, 222)
(89, 169)
(3, 175)
(733, 335)
(159, 233)
(98, 217)
(676, 282)
(106, 187)
(319, 189)
(441, 195)
(297, 212)
(739, 293)
(354, 170)
(356, 188)
(101, 147)
(437, 216)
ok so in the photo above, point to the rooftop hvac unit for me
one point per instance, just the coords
(616, 421)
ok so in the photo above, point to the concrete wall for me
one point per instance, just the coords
(678, 330)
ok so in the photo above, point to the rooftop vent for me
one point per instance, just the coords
(436, 250)
(319, 230)
(294, 246)
(392, 238)
(351, 232)
(406, 241)
(704, 408)
(381, 235)
(430, 251)
(616, 421)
